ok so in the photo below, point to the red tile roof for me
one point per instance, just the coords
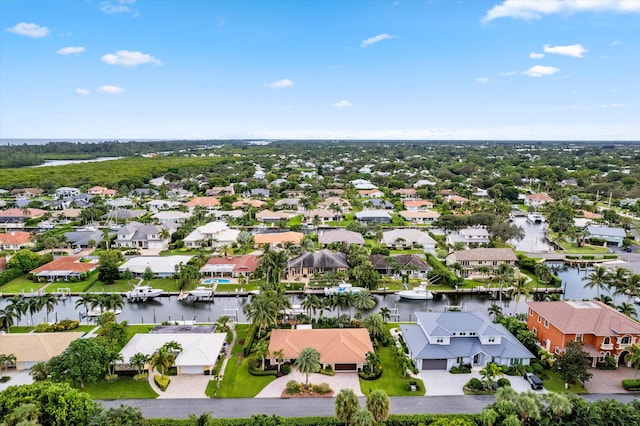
(15, 212)
(203, 202)
(13, 238)
(247, 263)
(67, 263)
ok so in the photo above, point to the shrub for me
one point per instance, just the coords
(588, 257)
(504, 368)
(163, 384)
(110, 377)
(516, 370)
(43, 328)
(285, 369)
(609, 363)
(70, 324)
(610, 256)
(248, 341)
(292, 387)
(537, 368)
(502, 382)
(631, 384)
(322, 388)
(460, 369)
(327, 371)
(142, 377)
(474, 384)
(5, 379)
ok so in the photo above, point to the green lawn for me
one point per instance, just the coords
(120, 286)
(412, 251)
(122, 388)
(19, 284)
(391, 381)
(78, 287)
(555, 384)
(238, 383)
(21, 329)
(132, 330)
(570, 248)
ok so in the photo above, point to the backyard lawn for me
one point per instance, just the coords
(132, 330)
(555, 384)
(122, 388)
(120, 286)
(19, 284)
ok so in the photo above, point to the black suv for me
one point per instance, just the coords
(534, 381)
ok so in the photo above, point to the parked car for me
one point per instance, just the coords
(77, 250)
(534, 381)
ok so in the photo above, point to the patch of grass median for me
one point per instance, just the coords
(122, 388)
(555, 384)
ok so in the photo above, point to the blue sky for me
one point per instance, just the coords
(472, 69)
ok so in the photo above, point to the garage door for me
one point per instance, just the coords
(191, 369)
(345, 367)
(434, 364)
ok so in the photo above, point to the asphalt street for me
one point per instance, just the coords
(244, 408)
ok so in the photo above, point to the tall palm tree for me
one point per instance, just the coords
(505, 276)
(310, 303)
(163, 359)
(627, 309)
(261, 311)
(5, 361)
(631, 287)
(385, 313)
(632, 358)
(618, 280)
(35, 305)
(379, 405)
(598, 278)
(279, 356)
(375, 325)
(7, 316)
(364, 301)
(49, 302)
(85, 300)
(495, 311)
(262, 350)
(346, 404)
(139, 360)
(18, 306)
(308, 362)
(520, 288)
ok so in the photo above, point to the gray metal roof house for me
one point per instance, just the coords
(441, 340)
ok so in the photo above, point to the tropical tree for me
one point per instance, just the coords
(385, 313)
(49, 302)
(495, 311)
(261, 311)
(362, 417)
(124, 415)
(618, 280)
(279, 356)
(84, 361)
(364, 300)
(346, 404)
(138, 361)
(558, 405)
(40, 371)
(162, 358)
(262, 350)
(6, 360)
(379, 405)
(34, 305)
(627, 309)
(520, 288)
(272, 263)
(308, 362)
(18, 306)
(505, 275)
(632, 358)
(223, 323)
(489, 373)
(598, 278)
(85, 300)
(375, 325)
(310, 303)
(573, 364)
(526, 406)
(7, 316)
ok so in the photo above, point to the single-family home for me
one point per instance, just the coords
(423, 182)
(469, 237)
(359, 184)
(343, 349)
(278, 239)
(83, 238)
(268, 216)
(602, 329)
(323, 215)
(417, 205)
(32, 348)
(15, 218)
(340, 236)
(316, 263)
(455, 198)
(220, 190)
(441, 340)
(333, 203)
(612, 236)
(247, 203)
(472, 260)
(232, 267)
(15, 240)
(288, 204)
(330, 192)
(411, 265)
(27, 192)
(404, 192)
(157, 205)
(419, 217)
(370, 193)
(101, 190)
(537, 200)
(137, 235)
(214, 234)
(204, 202)
(64, 192)
(260, 193)
(407, 238)
(171, 216)
(64, 268)
(377, 204)
(373, 216)
(161, 266)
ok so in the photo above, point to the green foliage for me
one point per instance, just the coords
(292, 387)
(379, 405)
(609, 363)
(10, 274)
(248, 340)
(123, 415)
(460, 369)
(26, 260)
(345, 405)
(322, 388)
(162, 381)
(84, 361)
(57, 404)
(631, 384)
(573, 365)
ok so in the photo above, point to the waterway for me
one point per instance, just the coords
(66, 162)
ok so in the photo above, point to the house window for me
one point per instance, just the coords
(492, 339)
(530, 312)
(578, 337)
(625, 340)
(535, 331)
(460, 360)
(546, 324)
(440, 340)
(556, 350)
(515, 361)
(539, 318)
(606, 340)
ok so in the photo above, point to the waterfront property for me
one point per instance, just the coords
(15, 240)
(162, 267)
(31, 348)
(411, 265)
(317, 263)
(602, 330)
(232, 267)
(340, 236)
(344, 349)
(278, 238)
(611, 236)
(137, 235)
(64, 268)
(408, 238)
(471, 261)
(215, 234)
(441, 340)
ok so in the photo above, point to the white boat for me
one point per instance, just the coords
(636, 300)
(535, 218)
(201, 292)
(342, 288)
(416, 293)
(143, 292)
(96, 312)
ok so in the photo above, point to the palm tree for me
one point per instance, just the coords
(164, 359)
(362, 417)
(505, 276)
(261, 311)
(627, 309)
(139, 360)
(630, 287)
(18, 306)
(49, 302)
(607, 300)
(364, 300)
(6, 360)
(308, 362)
(346, 404)
(262, 350)
(618, 281)
(375, 326)
(632, 358)
(489, 373)
(173, 347)
(558, 404)
(526, 406)
(385, 313)
(519, 289)
(496, 311)
(598, 278)
(112, 301)
(34, 305)
(279, 356)
(310, 303)
(85, 300)
(6, 318)
(223, 323)
(379, 405)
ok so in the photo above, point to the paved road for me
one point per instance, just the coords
(243, 408)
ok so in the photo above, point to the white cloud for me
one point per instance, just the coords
(540, 71)
(615, 43)
(70, 50)
(29, 30)
(507, 73)
(536, 55)
(118, 6)
(110, 90)
(482, 80)
(376, 39)
(281, 84)
(575, 50)
(536, 9)
(614, 106)
(81, 91)
(342, 104)
(127, 58)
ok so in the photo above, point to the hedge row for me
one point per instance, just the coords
(10, 275)
(631, 385)
(248, 340)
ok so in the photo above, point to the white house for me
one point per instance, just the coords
(218, 233)
(161, 266)
(406, 238)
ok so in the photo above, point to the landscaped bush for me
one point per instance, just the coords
(292, 387)
(5, 379)
(516, 370)
(588, 257)
(285, 369)
(142, 377)
(322, 388)
(69, 324)
(163, 384)
(474, 385)
(460, 369)
(502, 382)
(110, 377)
(631, 385)
(610, 256)
(10, 275)
(248, 340)
(609, 363)
(504, 368)
(327, 371)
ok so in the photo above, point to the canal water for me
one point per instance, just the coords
(169, 308)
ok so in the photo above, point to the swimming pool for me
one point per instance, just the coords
(216, 281)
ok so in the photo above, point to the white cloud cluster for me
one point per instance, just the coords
(71, 50)
(536, 55)
(127, 58)
(342, 104)
(117, 6)
(536, 9)
(575, 50)
(29, 30)
(540, 71)
(376, 39)
(482, 80)
(80, 91)
(508, 73)
(281, 84)
(110, 90)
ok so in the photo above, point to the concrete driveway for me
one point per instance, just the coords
(21, 377)
(185, 386)
(337, 382)
(608, 381)
(441, 382)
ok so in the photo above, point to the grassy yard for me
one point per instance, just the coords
(77, 287)
(412, 251)
(571, 248)
(19, 284)
(132, 330)
(555, 384)
(391, 381)
(120, 286)
(122, 388)
(238, 383)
